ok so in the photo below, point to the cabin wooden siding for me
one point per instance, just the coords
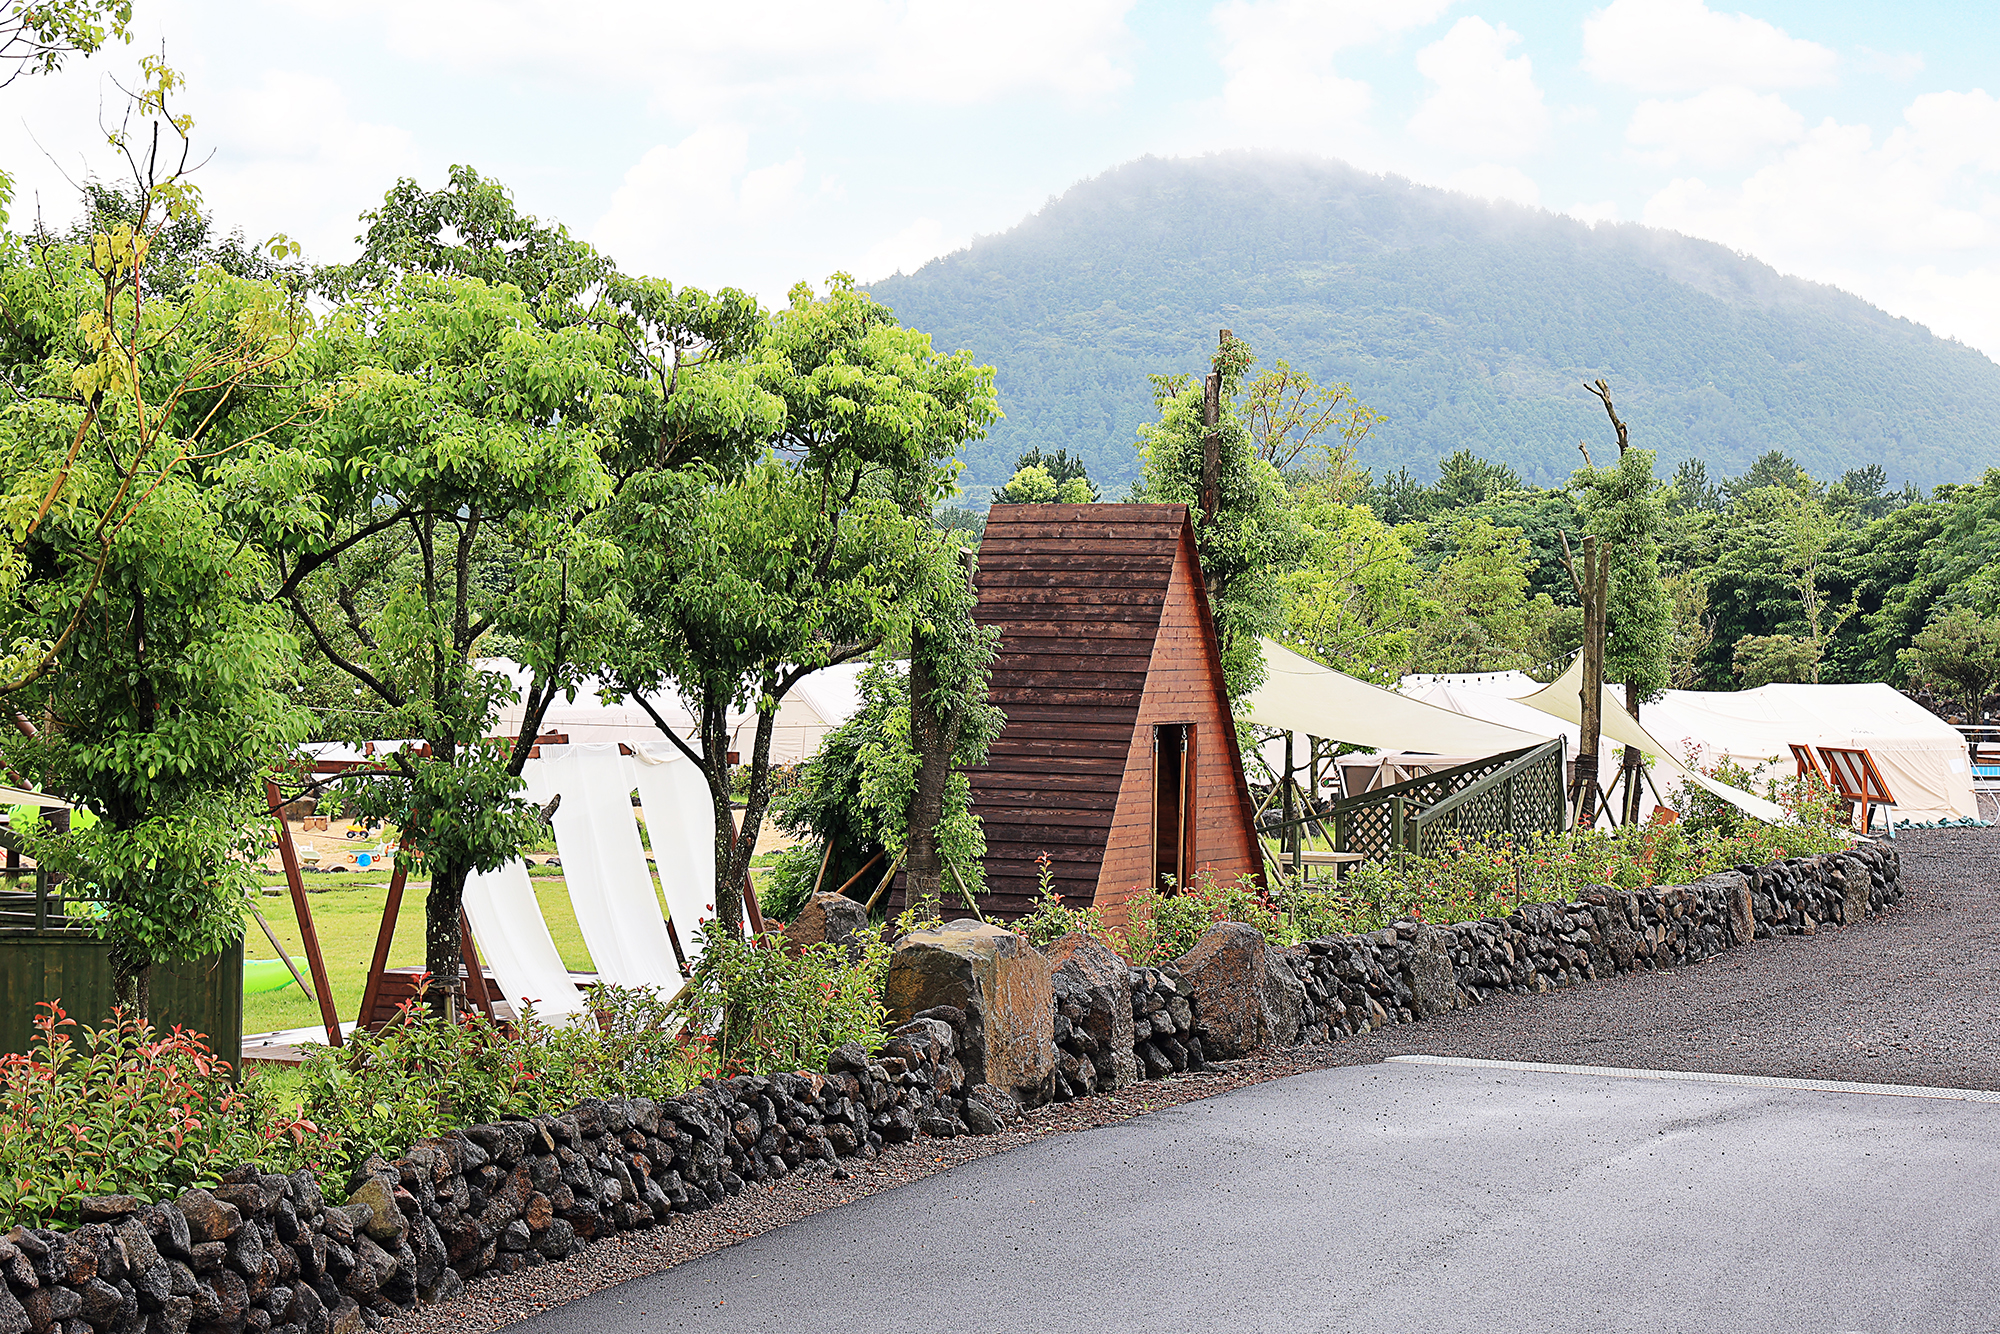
(1081, 594)
(1183, 685)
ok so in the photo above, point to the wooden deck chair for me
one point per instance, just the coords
(1856, 778)
(1808, 763)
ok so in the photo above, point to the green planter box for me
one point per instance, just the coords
(75, 969)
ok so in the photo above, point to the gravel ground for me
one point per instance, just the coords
(1911, 998)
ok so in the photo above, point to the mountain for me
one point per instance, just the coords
(1468, 323)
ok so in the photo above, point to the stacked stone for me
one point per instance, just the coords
(266, 1252)
(261, 1252)
(1798, 897)
(1353, 983)
(1410, 971)
(1163, 1023)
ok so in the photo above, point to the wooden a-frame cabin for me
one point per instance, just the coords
(1119, 759)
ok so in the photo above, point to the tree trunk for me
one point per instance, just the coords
(1290, 843)
(1593, 589)
(1634, 761)
(131, 983)
(715, 764)
(729, 887)
(444, 943)
(929, 737)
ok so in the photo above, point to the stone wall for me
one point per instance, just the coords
(1396, 975)
(266, 1252)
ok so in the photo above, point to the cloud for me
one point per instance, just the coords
(1602, 210)
(1678, 46)
(1278, 60)
(1717, 128)
(680, 197)
(1494, 180)
(907, 250)
(703, 60)
(1836, 198)
(1898, 65)
(1485, 104)
(291, 156)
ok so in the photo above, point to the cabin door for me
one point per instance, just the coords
(1173, 807)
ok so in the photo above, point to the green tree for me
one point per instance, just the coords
(949, 726)
(1291, 415)
(1254, 536)
(459, 441)
(1623, 505)
(745, 580)
(1761, 660)
(37, 36)
(1956, 657)
(1466, 479)
(1035, 485)
(1481, 621)
(135, 464)
(1357, 601)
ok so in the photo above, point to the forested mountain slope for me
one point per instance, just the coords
(1469, 324)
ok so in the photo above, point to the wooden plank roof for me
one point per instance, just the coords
(1077, 592)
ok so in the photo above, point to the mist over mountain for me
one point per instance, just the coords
(1468, 323)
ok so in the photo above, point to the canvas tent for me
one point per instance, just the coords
(820, 702)
(1299, 695)
(1923, 758)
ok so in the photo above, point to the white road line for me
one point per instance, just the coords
(1704, 1077)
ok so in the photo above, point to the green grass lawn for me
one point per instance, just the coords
(348, 915)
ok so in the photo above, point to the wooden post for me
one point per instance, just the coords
(290, 967)
(385, 934)
(475, 973)
(1291, 843)
(316, 960)
(1592, 590)
(1634, 761)
(680, 955)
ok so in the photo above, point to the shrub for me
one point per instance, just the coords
(766, 1010)
(790, 882)
(1049, 921)
(126, 1110)
(1166, 926)
(419, 1076)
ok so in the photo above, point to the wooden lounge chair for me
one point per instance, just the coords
(1853, 774)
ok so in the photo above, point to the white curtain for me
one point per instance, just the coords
(604, 864)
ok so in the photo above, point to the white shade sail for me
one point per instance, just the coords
(1563, 698)
(1299, 695)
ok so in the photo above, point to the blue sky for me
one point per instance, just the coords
(765, 141)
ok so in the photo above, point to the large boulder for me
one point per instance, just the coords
(1433, 980)
(1742, 908)
(827, 918)
(1245, 998)
(1003, 985)
(1084, 970)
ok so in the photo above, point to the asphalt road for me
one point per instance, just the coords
(1394, 1197)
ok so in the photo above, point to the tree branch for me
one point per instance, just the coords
(390, 696)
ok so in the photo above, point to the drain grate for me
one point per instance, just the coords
(1704, 1077)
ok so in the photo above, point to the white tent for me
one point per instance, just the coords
(1299, 695)
(1922, 758)
(1563, 698)
(820, 702)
